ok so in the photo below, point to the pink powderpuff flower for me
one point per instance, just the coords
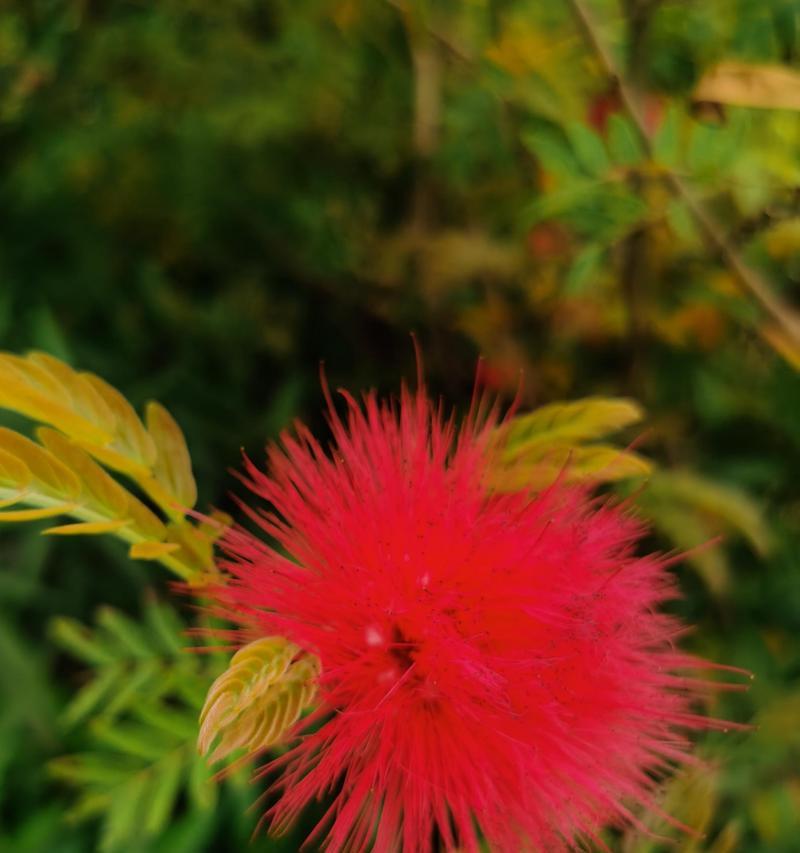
(494, 666)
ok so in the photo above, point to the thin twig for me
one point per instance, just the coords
(428, 72)
(751, 280)
(637, 257)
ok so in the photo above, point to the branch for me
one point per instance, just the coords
(428, 71)
(751, 280)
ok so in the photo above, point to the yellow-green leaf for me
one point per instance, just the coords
(194, 546)
(213, 527)
(687, 529)
(36, 514)
(116, 460)
(258, 698)
(103, 492)
(594, 463)
(131, 439)
(574, 422)
(151, 550)
(725, 506)
(19, 497)
(145, 521)
(52, 477)
(85, 400)
(14, 473)
(96, 428)
(173, 466)
(87, 528)
(603, 462)
(28, 386)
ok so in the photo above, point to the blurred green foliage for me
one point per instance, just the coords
(202, 200)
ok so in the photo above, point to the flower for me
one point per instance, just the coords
(493, 665)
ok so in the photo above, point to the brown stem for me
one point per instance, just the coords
(427, 117)
(759, 288)
(427, 66)
(636, 249)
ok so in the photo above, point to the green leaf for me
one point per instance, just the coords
(681, 221)
(553, 151)
(75, 638)
(131, 739)
(130, 636)
(704, 144)
(581, 273)
(161, 796)
(623, 143)
(121, 823)
(92, 694)
(180, 724)
(145, 679)
(91, 768)
(143, 701)
(93, 804)
(589, 149)
(164, 626)
(666, 142)
(202, 790)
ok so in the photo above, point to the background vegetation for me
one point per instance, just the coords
(201, 200)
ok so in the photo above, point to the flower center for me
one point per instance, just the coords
(402, 649)
(395, 644)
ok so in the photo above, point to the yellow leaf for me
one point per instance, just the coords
(109, 416)
(14, 499)
(258, 698)
(691, 796)
(573, 422)
(96, 426)
(103, 492)
(785, 346)
(13, 472)
(145, 521)
(37, 378)
(86, 527)
(727, 507)
(101, 422)
(605, 463)
(115, 459)
(750, 85)
(131, 439)
(782, 240)
(27, 388)
(728, 840)
(523, 49)
(594, 463)
(36, 514)
(688, 529)
(215, 525)
(52, 477)
(151, 550)
(173, 466)
(196, 549)
(85, 400)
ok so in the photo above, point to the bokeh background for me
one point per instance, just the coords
(202, 200)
